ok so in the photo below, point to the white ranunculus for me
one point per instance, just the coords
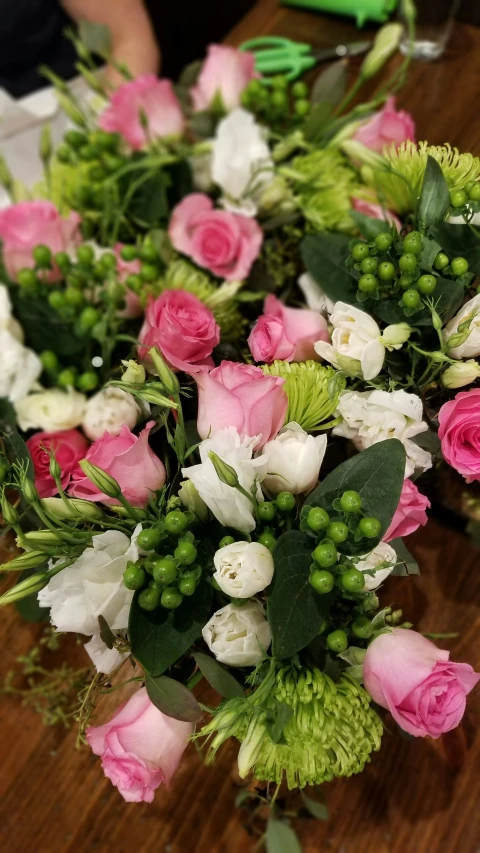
(470, 346)
(243, 568)
(293, 460)
(356, 342)
(371, 416)
(51, 409)
(109, 410)
(241, 162)
(314, 295)
(229, 506)
(104, 659)
(20, 367)
(383, 553)
(238, 636)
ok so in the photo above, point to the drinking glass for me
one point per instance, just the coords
(433, 26)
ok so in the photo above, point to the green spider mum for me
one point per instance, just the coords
(312, 390)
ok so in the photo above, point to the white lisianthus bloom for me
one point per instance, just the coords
(51, 409)
(382, 554)
(293, 460)
(241, 162)
(356, 342)
(243, 568)
(314, 295)
(109, 410)
(238, 636)
(229, 506)
(20, 368)
(7, 321)
(201, 166)
(371, 416)
(470, 345)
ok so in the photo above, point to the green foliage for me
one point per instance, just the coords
(218, 676)
(281, 838)
(368, 226)
(435, 198)
(407, 564)
(173, 698)
(324, 256)
(44, 329)
(463, 240)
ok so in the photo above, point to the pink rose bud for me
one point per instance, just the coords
(375, 211)
(182, 328)
(387, 126)
(286, 333)
(459, 433)
(225, 74)
(241, 396)
(410, 513)
(129, 460)
(31, 223)
(151, 98)
(140, 747)
(424, 691)
(225, 243)
(69, 446)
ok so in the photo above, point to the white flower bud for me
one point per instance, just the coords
(243, 568)
(134, 372)
(462, 333)
(293, 460)
(394, 336)
(383, 553)
(385, 44)
(109, 410)
(460, 374)
(238, 636)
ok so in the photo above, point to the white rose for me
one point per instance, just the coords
(371, 416)
(314, 295)
(293, 460)
(20, 367)
(241, 162)
(51, 409)
(470, 346)
(229, 506)
(238, 636)
(356, 342)
(109, 410)
(243, 568)
(383, 553)
(460, 374)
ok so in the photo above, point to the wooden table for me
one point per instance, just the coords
(415, 796)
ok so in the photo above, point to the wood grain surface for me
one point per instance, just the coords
(416, 796)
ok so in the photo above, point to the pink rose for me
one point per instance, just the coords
(31, 223)
(133, 306)
(459, 433)
(129, 460)
(182, 328)
(225, 243)
(225, 73)
(286, 333)
(240, 395)
(422, 689)
(140, 747)
(148, 96)
(410, 512)
(69, 447)
(387, 126)
(375, 211)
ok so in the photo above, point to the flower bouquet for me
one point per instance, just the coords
(205, 476)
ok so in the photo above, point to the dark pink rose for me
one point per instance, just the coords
(182, 328)
(225, 243)
(410, 513)
(140, 747)
(31, 223)
(241, 396)
(225, 74)
(459, 433)
(133, 306)
(375, 211)
(386, 127)
(148, 96)
(129, 460)
(286, 333)
(69, 447)
(422, 689)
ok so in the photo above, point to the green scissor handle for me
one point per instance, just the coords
(277, 55)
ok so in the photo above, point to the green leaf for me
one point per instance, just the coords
(218, 676)
(295, 612)
(448, 297)
(434, 197)
(160, 637)
(277, 719)
(96, 37)
(188, 76)
(318, 810)
(459, 240)
(324, 256)
(44, 329)
(330, 85)
(173, 699)
(281, 838)
(370, 228)
(106, 633)
(407, 563)
(317, 122)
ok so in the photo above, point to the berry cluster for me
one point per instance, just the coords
(464, 199)
(100, 150)
(279, 103)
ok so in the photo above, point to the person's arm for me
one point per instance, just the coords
(133, 39)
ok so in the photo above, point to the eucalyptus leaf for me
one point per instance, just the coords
(434, 197)
(369, 227)
(106, 633)
(324, 256)
(281, 838)
(173, 699)
(407, 563)
(317, 122)
(218, 676)
(318, 810)
(330, 85)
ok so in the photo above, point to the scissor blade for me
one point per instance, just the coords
(354, 48)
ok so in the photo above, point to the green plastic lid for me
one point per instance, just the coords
(362, 10)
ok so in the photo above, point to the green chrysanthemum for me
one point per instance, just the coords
(323, 182)
(64, 182)
(312, 390)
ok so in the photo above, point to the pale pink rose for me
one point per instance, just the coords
(182, 328)
(31, 223)
(148, 96)
(424, 691)
(129, 460)
(133, 306)
(375, 211)
(69, 447)
(459, 433)
(410, 513)
(225, 243)
(241, 396)
(286, 333)
(140, 747)
(387, 126)
(225, 73)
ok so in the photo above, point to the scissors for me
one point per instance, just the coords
(278, 55)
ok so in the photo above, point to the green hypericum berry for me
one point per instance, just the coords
(133, 576)
(88, 153)
(128, 253)
(458, 198)
(353, 580)
(386, 271)
(406, 280)
(360, 251)
(337, 641)
(227, 540)
(87, 381)
(351, 501)
(413, 243)
(107, 141)
(266, 511)
(108, 260)
(113, 163)
(279, 99)
(148, 253)
(369, 265)
(474, 191)
(85, 255)
(96, 173)
(325, 554)
(148, 539)
(427, 284)
(149, 598)
(75, 138)
(134, 282)
(337, 531)
(27, 278)
(176, 522)
(383, 242)
(411, 298)
(407, 262)
(42, 256)
(66, 378)
(149, 272)
(285, 502)
(187, 585)
(64, 154)
(49, 361)
(362, 628)
(459, 266)
(299, 90)
(441, 261)
(279, 82)
(185, 553)
(63, 262)
(322, 581)
(302, 107)
(318, 519)
(89, 318)
(164, 570)
(56, 300)
(367, 284)
(74, 296)
(171, 598)
(268, 540)
(369, 527)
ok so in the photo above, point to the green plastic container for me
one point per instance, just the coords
(363, 10)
